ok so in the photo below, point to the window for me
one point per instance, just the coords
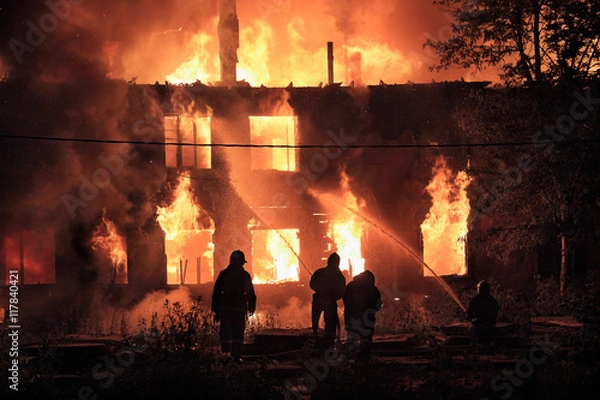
(31, 252)
(275, 255)
(190, 257)
(187, 132)
(110, 249)
(347, 236)
(273, 131)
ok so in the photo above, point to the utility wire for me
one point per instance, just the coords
(304, 146)
(262, 219)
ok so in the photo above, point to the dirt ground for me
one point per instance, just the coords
(557, 359)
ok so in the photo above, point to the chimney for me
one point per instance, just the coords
(229, 41)
(330, 62)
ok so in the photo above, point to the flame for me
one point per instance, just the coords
(347, 238)
(279, 42)
(445, 227)
(276, 130)
(253, 55)
(274, 255)
(346, 227)
(347, 231)
(277, 57)
(106, 241)
(188, 246)
(202, 62)
(369, 62)
(182, 214)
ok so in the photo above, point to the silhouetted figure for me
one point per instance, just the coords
(233, 299)
(338, 326)
(362, 300)
(482, 312)
(329, 285)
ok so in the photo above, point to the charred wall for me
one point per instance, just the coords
(388, 178)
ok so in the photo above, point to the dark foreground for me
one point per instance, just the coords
(556, 359)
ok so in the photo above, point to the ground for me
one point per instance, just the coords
(554, 361)
(547, 347)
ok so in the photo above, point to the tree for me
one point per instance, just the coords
(545, 188)
(531, 187)
(532, 41)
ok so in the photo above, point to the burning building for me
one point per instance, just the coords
(288, 175)
(148, 186)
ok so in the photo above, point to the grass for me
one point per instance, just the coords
(176, 354)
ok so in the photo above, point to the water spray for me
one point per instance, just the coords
(288, 244)
(271, 226)
(268, 224)
(411, 252)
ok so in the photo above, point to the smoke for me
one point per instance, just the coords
(59, 59)
(105, 319)
(352, 17)
(73, 44)
(68, 63)
(75, 39)
(296, 314)
(154, 305)
(147, 40)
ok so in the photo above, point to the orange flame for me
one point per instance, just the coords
(347, 237)
(189, 248)
(202, 62)
(274, 58)
(107, 242)
(182, 214)
(347, 231)
(277, 130)
(445, 227)
(347, 227)
(274, 255)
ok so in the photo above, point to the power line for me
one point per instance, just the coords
(304, 146)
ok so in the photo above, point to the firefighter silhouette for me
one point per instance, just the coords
(482, 312)
(362, 300)
(328, 284)
(233, 300)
